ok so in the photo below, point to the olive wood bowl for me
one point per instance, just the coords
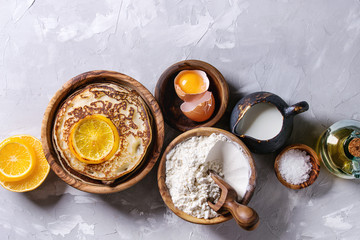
(164, 191)
(78, 180)
(314, 160)
(170, 103)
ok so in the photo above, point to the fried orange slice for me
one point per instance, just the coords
(94, 139)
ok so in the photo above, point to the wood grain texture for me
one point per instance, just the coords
(164, 191)
(170, 103)
(77, 180)
(246, 217)
(314, 160)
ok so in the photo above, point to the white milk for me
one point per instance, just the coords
(262, 121)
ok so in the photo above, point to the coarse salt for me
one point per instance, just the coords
(295, 166)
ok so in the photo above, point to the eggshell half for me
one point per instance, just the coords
(190, 96)
(201, 109)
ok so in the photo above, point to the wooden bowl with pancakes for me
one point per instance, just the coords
(116, 114)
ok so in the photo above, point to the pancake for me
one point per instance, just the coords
(126, 110)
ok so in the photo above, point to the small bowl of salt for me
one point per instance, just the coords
(297, 166)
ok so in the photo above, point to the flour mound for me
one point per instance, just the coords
(187, 176)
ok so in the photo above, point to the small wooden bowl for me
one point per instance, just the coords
(170, 103)
(315, 169)
(82, 182)
(164, 191)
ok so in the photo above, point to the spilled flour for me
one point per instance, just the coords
(187, 176)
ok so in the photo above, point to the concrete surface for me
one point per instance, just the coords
(300, 50)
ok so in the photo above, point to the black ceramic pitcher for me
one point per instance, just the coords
(288, 113)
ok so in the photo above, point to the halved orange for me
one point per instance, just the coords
(39, 170)
(17, 159)
(94, 139)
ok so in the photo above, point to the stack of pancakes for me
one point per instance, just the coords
(126, 110)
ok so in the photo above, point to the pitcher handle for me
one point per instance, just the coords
(297, 108)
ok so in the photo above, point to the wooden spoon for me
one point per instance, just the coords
(245, 216)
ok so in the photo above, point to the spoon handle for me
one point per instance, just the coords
(246, 217)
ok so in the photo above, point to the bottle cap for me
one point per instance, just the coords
(354, 147)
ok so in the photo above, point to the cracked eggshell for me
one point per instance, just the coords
(201, 109)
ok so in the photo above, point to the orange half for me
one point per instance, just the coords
(17, 159)
(39, 170)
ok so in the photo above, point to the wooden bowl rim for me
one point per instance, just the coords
(80, 81)
(310, 152)
(164, 191)
(224, 91)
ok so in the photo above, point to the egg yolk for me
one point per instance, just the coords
(192, 82)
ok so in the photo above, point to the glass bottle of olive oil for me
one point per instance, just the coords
(339, 149)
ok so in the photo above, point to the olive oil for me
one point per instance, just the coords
(339, 149)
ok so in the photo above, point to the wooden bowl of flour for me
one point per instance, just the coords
(164, 191)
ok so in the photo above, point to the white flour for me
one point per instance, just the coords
(187, 176)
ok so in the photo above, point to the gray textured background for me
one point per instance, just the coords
(301, 50)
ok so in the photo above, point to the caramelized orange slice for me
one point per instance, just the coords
(94, 139)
